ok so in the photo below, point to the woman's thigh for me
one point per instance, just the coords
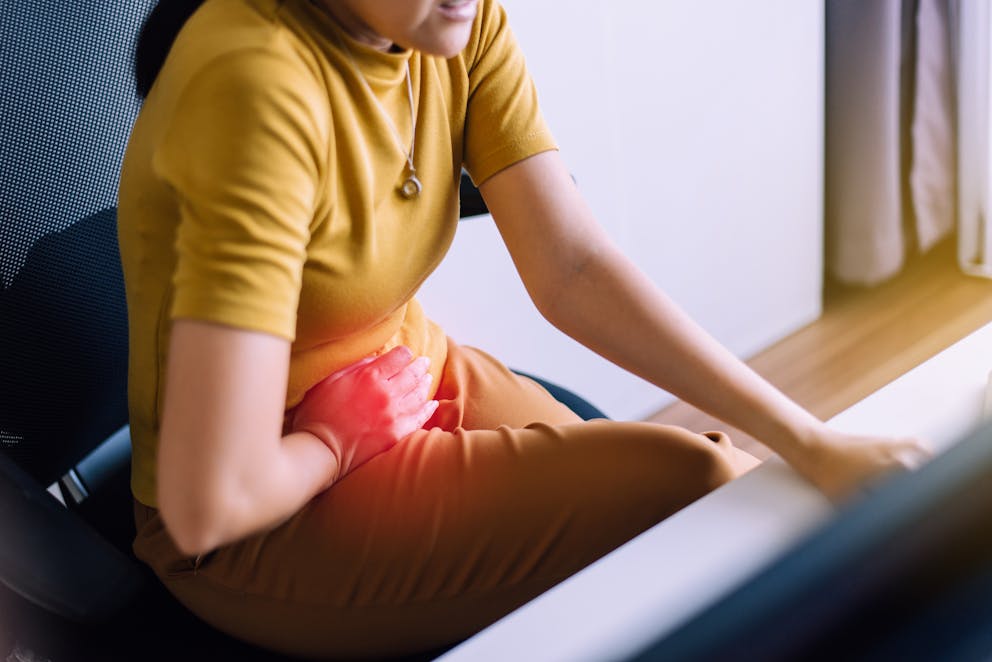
(449, 530)
(430, 542)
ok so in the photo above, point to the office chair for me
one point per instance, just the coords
(70, 588)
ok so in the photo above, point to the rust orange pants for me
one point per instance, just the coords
(505, 495)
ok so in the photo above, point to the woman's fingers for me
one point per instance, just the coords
(396, 366)
(369, 406)
(347, 370)
(426, 412)
(416, 397)
(844, 464)
(409, 378)
(392, 362)
(415, 421)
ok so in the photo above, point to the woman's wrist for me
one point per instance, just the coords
(325, 451)
(798, 440)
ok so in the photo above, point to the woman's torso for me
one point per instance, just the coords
(260, 190)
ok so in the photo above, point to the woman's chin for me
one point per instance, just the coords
(446, 45)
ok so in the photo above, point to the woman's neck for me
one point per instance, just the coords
(353, 26)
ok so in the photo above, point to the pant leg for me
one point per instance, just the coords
(448, 531)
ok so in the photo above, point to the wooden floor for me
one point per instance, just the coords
(866, 338)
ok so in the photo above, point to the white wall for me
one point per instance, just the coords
(695, 131)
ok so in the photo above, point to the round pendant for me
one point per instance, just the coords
(411, 188)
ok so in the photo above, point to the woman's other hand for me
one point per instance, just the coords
(842, 465)
(366, 408)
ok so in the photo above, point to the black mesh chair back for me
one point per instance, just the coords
(70, 588)
(67, 101)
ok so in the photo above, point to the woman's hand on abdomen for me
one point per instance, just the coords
(368, 407)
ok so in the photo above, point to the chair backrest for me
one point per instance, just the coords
(67, 100)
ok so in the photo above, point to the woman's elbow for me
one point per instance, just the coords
(559, 292)
(196, 522)
(556, 301)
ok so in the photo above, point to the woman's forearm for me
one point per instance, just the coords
(300, 467)
(589, 290)
(225, 469)
(614, 309)
(258, 495)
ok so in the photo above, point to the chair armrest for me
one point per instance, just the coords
(585, 409)
(52, 558)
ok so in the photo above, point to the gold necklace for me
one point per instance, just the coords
(411, 186)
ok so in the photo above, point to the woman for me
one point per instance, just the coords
(317, 468)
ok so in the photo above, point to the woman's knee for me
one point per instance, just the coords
(714, 460)
(695, 464)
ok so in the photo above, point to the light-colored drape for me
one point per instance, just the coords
(889, 134)
(932, 172)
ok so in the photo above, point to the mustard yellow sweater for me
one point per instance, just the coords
(259, 189)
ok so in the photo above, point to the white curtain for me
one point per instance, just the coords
(890, 140)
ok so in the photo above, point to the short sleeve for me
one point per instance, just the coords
(503, 121)
(244, 153)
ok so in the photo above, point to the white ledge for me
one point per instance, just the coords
(660, 579)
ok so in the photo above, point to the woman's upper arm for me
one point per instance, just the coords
(225, 392)
(545, 223)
